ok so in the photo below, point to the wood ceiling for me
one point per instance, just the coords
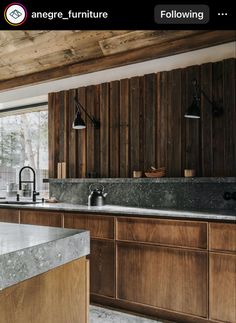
(28, 57)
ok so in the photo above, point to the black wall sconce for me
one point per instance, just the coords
(79, 122)
(194, 110)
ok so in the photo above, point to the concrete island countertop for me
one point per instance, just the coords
(27, 250)
(214, 215)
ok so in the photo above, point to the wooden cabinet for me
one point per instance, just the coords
(166, 232)
(222, 236)
(168, 278)
(52, 219)
(102, 268)
(9, 215)
(222, 282)
(100, 226)
(102, 254)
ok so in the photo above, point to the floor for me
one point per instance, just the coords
(103, 315)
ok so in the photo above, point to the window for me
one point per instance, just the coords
(23, 142)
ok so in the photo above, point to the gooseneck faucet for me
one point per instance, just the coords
(33, 181)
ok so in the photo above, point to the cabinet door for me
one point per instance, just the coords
(223, 287)
(9, 215)
(102, 268)
(52, 219)
(168, 278)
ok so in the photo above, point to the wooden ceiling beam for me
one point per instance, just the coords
(207, 39)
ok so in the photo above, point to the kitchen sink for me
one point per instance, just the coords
(19, 202)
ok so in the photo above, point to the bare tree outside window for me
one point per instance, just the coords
(23, 142)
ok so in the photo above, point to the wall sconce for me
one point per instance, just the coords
(194, 110)
(79, 122)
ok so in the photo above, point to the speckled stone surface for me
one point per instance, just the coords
(200, 214)
(173, 193)
(27, 251)
(104, 315)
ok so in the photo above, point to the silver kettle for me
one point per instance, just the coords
(97, 197)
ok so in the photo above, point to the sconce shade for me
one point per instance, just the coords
(78, 122)
(194, 110)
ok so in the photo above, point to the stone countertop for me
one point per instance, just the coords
(215, 215)
(28, 250)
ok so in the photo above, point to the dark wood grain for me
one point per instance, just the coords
(124, 129)
(82, 137)
(206, 121)
(104, 131)
(143, 125)
(229, 105)
(90, 131)
(134, 124)
(219, 125)
(162, 114)
(174, 125)
(114, 129)
(192, 138)
(149, 124)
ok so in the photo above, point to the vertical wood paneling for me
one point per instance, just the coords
(96, 114)
(114, 129)
(149, 121)
(72, 147)
(51, 141)
(183, 128)
(90, 132)
(162, 109)
(218, 123)
(192, 125)
(229, 106)
(104, 131)
(141, 113)
(143, 124)
(82, 138)
(124, 128)
(134, 124)
(206, 120)
(174, 123)
(57, 131)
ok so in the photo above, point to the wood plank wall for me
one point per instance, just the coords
(143, 124)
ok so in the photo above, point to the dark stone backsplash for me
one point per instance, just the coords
(176, 193)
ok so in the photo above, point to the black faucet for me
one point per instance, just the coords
(33, 181)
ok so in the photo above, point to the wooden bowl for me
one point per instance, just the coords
(155, 174)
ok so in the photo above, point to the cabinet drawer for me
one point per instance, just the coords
(100, 226)
(165, 232)
(9, 215)
(52, 219)
(222, 236)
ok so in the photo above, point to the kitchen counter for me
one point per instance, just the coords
(216, 215)
(27, 250)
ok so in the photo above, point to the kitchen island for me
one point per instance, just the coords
(43, 274)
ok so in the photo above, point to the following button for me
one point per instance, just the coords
(182, 14)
